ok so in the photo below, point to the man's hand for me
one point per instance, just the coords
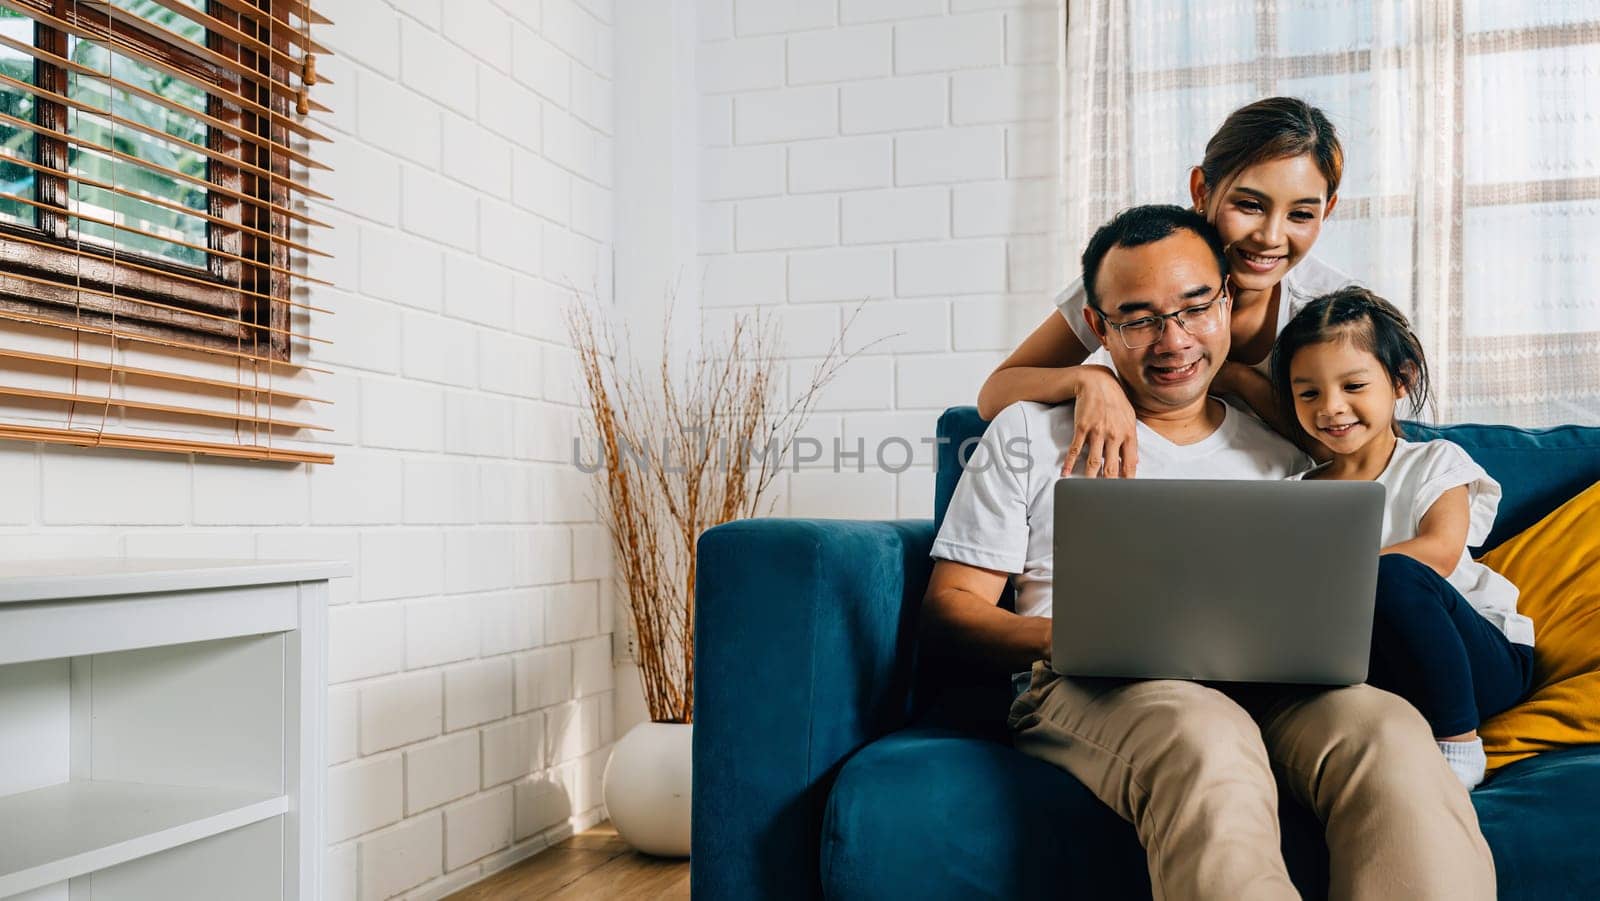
(961, 619)
(1104, 428)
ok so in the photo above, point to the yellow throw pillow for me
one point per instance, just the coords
(1555, 564)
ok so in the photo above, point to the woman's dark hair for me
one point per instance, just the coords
(1272, 129)
(1368, 322)
(1140, 225)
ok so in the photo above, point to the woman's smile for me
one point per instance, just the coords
(1258, 262)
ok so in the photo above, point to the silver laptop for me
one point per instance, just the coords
(1233, 581)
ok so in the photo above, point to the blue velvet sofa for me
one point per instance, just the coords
(828, 763)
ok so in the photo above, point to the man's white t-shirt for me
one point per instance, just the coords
(1002, 516)
(1416, 476)
(1301, 285)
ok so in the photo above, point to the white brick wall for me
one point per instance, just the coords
(848, 274)
(918, 140)
(400, 857)
(472, 185)
(893, 104)
(512, 749)
(892, 217)
(440, 771)
(785, 115)
(841, 165)
(840, 55)
(949, 42)
(477, 827)
(478, 692)
(896, 153)
(401, 710)
(364, 795)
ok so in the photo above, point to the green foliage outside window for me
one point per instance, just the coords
(147, 228)
(16, 142)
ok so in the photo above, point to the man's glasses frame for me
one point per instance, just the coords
(1196, 320)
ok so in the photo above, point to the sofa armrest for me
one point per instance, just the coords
(805, 635)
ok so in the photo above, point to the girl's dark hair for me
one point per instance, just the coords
(1271, 129)
(1367, 321)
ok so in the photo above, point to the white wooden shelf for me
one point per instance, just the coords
(59, 580)
(66, 830)
(162, 729)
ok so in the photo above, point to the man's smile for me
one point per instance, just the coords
(1172, 375)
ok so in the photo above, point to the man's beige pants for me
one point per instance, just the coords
(1192, 770)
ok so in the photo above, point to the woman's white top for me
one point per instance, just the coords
(1301, 285)
(1416, 476)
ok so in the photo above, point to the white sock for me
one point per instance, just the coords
(1466, 760)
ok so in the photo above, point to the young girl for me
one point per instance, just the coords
(1446, 633)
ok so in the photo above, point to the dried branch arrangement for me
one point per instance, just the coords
(679, 454)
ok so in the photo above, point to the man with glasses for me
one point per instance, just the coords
(1191, 766)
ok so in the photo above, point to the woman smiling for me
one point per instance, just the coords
(1269, 179)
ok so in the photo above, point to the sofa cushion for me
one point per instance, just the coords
(935, 814)
(1538, 469)
(932, 813)
(1556, 565)
(938, 814)
(1540, 817)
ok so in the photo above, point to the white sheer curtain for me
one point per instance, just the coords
(1471, 194)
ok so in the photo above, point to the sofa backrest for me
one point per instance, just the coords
(957, 430)
(1538, 469)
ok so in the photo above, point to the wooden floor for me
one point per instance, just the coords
(591, 865)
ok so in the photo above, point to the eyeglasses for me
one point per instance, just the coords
(1147, 330)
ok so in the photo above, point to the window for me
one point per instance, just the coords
(149, 196)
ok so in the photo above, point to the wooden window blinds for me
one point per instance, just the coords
(154, 231)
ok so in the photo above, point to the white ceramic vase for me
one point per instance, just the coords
(646, 788)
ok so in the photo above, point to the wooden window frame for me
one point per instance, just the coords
(225, 291)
